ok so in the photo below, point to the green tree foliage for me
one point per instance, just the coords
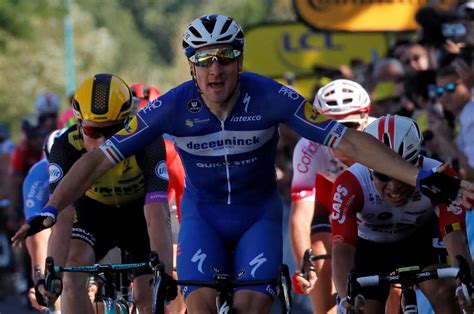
(137, 39)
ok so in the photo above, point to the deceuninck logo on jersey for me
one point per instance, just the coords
(194, 106)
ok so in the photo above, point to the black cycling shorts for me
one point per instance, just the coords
(421, 249)
(105, 227)
(320, 222)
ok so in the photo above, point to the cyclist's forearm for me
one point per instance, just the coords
(456, 244)
(159, 231)
(365, 149)
(342, 264)
(88, 169)
(300, 228)
(58, 244)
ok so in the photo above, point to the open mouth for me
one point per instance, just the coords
(216, 84)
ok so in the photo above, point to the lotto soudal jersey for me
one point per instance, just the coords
(358, 209)
(230, 161)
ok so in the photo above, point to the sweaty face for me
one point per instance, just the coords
(218, 80)
(394, 192)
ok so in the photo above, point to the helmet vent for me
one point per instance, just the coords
(386, 140)
(400, 151)
(100, 94)
(194, 31)
(226, 25)
(347, 101)
(226, 38)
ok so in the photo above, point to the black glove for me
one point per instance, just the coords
(438, 186)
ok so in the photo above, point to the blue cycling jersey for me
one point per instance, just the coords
(230, 161)
(35, 189)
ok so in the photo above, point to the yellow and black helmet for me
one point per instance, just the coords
(103, 97)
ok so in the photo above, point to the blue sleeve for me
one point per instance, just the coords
(35, 189)
(298, 114)
(150, 122)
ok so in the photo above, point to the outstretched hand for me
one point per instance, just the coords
(25, 231)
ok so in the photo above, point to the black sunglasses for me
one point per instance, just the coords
(350, 125)
(97, 132)
(381, 177)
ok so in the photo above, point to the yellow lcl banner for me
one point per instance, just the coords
(363, 15)
(275, 49)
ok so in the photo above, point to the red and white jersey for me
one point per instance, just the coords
(314, 170)
(359, 209)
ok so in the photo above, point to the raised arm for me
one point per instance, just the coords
(367, 150)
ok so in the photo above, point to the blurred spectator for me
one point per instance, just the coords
(25, 155)
(415, 57)
(6, 148)
(67, 118)
(47, 107)
(456, 97)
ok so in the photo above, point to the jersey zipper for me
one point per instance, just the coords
(227, 170)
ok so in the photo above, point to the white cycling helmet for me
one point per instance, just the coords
(401, 134)
(212, 29)
(341, 97)
(49, 141)
(47, 103)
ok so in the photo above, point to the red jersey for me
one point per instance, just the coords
(176, 175)
(23, 158)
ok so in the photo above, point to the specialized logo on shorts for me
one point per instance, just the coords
(256, 263)
(199, 258)
(130, 128)
(30, 203)
(194, 106)
(161, 170)
(55, 173)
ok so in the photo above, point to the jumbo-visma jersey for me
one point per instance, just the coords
(230, 161)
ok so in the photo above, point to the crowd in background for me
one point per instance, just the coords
(429, 78)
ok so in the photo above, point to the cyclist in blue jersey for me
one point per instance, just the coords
(224, 123)
(35, 196)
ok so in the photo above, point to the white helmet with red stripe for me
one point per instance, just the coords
(341, 97)
(401, 134)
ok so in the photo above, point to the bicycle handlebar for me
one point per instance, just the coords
(409, 276)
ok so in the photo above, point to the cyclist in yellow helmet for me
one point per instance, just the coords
(131, 196)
